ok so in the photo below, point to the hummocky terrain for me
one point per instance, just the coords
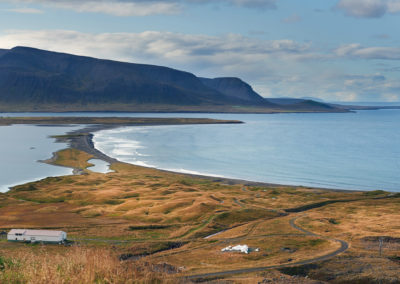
(39, 80)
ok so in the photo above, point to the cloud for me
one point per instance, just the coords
(266, 4)
(381, 36)
(165, 46)
(138, 7)
(254, 60)
(118, 8)
(292, 19)
(366, 82)
(362, 87)
(111, 7)
(275, 67)
(26, 11)
(368, 8)
(355, 50)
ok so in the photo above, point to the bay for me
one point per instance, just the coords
(338, 150)
(358, 151)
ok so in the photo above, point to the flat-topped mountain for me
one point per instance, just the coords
(39, 80)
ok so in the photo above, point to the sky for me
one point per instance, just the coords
(334, 50)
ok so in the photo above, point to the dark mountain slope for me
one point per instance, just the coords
(302, 104)
(235, 87)
(312, 105)
(39, 80)
(3, 51)
(285, 101)
(30, 75)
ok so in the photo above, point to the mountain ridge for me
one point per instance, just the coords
(35, 79)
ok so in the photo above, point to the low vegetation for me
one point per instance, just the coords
(78, 265)
(143, 225)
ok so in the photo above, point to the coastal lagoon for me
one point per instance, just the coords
(332, 150)
(22, 146)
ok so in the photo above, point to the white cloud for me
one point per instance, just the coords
(373, 87)
(390, 97)
(344, 96)
(120, 8)
(275, 67)
(270, 4)
(368, 8)
(26, 11)
(111, 7)
(292, 19)
(254, 60)
(230, 49)
(137, 7)
(393, 6)
(355, 50)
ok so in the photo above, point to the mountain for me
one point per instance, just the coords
(285, 101)
(313, 99)
(234, 87)
(310, 104)
(30, 75)
(3, 51)
(39, 80)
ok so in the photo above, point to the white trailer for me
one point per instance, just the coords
(41, 236)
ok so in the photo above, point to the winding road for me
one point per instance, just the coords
(343, 247)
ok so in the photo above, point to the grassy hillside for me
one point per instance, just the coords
(141, 224)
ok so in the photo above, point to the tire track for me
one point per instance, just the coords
(343, 247)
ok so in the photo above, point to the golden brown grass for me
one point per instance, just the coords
(147, 209)
(76, 265)
(72, 158)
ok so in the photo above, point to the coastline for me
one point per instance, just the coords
(82, 139)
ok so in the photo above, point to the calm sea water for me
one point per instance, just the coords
(21, 148)
(347, 151)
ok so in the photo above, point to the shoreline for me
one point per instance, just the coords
(82, 139)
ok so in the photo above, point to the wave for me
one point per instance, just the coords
(191, 172)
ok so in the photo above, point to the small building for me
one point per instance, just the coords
(41, 236)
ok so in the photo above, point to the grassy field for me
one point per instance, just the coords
(140, 224)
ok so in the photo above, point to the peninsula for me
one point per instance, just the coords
(146, 225)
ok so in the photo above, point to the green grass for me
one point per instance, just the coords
(149, 227)
(131, 195)
(43, 199)
(5, 262)
(25, 187)
(374, 192)
(241, 216)
(114, 202)
(333, 221)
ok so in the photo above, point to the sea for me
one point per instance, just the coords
(353, 151)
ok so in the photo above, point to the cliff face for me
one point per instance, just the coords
(236, 88)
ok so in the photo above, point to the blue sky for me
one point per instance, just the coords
(336, 50)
